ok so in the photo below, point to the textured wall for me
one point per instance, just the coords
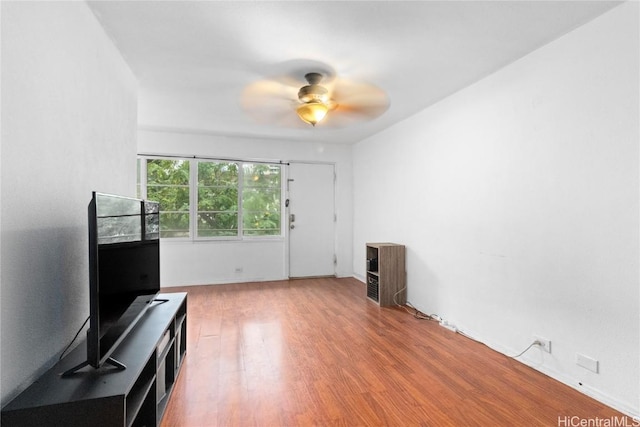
(68, 127)
(518, 200)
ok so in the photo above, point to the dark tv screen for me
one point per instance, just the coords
(124, 264)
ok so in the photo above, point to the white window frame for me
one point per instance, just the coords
(193, 197)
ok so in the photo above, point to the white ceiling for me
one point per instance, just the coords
(194, 59)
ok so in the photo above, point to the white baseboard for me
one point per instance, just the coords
(227, 281)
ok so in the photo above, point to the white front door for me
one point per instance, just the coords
(311, 220)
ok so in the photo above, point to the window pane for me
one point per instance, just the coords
(168, 184)
(261, 175)
(217, 174)
(217, 199)
(217, 224)
(138, 179)
(261, 200)
(168, 172)
(174, 224)
(261, 223)
(170, 198)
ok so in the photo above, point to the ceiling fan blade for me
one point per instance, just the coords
(262, 90)
(365, 111)
(281, 114)
(362, 100)
(266, 101)
(341, 118)
(286, 119)
(350, 92)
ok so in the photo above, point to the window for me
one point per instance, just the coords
(207, 199)
(217, 199)
(168, 183)
(260, 200)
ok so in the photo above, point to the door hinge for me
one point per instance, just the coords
(335, 217)
(335, 259)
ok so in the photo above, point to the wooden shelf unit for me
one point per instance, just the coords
(388, 277)
(152, 352)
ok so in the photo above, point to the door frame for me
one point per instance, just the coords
(287, 212)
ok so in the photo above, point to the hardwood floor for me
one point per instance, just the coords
(317, 352)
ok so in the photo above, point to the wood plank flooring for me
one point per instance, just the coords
(317, 352)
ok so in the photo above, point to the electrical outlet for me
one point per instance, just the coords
(587, 362)
(449, 326)
(543, 343)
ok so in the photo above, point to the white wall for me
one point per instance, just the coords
(195, 263)
(68, 127)
(519, 205)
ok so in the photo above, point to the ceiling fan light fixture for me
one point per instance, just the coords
(312, 112)
(313, 93)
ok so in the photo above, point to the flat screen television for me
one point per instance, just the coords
(124, 271)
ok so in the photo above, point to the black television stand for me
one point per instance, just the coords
(111, 361)
(153, 352)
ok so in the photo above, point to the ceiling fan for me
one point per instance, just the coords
(288, 102)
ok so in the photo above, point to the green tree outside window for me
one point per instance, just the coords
(217, 199)
(232, 199)
(168, 184)
(261, 199)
